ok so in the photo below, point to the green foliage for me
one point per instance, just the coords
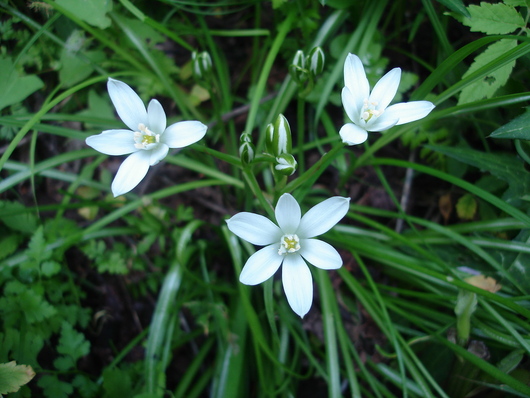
(139, 296)
(54, 388)
(113, 262)
(93, 12)
(14, 86)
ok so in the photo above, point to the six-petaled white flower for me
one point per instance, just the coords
(148, 140)
(369, 111)
(290, 243)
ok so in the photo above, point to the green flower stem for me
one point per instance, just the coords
(301, 133)
(250, 178)
(283, 29)
(314, 171)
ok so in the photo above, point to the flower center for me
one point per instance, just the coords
(369, 110)
(145, 138)
(289, 244)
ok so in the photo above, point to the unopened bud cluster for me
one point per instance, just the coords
(246, 149)
(307, 68)
(202, 65)
(278, 142)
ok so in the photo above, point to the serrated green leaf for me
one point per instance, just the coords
(13, 376)
(8, 245)
(506, 167)
(63, 363)
(86, 387)
(17, 217)
(72, 343)
(35, 308)
(489, 84)
(13, 87)
(517, 129)
(494, 19)
(36, 251)
(93, 12)
(466, 207)
(54, 388)
(23, 346)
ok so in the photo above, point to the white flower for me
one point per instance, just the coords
(370, 111)
(148, 140)
(291, 243)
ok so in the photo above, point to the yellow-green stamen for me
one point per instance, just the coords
(289, 244)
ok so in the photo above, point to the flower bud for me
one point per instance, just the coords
(202, 64)
(286, 164)
(316, 61)
(246, 149)
(297, 69)
(278, 136)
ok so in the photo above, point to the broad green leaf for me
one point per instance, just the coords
(54, 388)
(99, 106)
(494, 19)
(489, 84)
(506, 167)
(466, 207)
(75, 69)
(17, 217)
(13, 376)
(116, 383)
(94, 12)
(15, 88)
(517, 129)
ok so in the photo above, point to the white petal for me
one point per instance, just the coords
(410, 111)
(352, 134)
(320, 254)
(158, 153)
(383, 122)
(131, 172)
(182, 134)
(352, 105)
(288, 213)
(385, 89)
(128, 104)
(255, 229)
(355, 77)
(297, 283)
(113, 142)
(156, 117)
(322, 217)
(261, 266)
